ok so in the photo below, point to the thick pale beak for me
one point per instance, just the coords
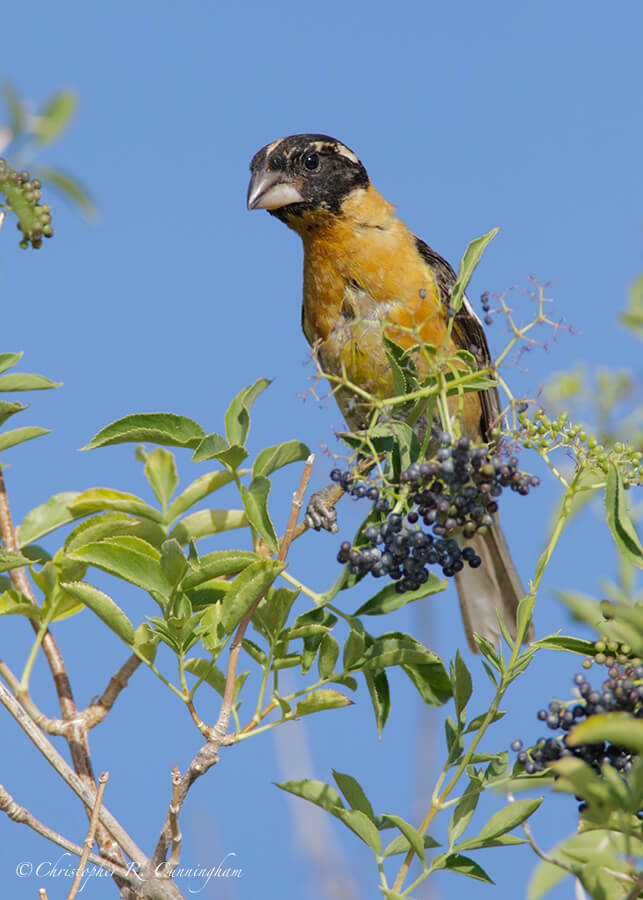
(271, 190)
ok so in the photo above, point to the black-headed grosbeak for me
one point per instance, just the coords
(365, 275)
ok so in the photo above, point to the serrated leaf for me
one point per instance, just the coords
(564, 642)
(362, 826)
(167, 429)
(96, 500)
(504, 820)
(354, 793)
(26, 381)
(10, 560)
(114, 524)
(395, 649)
(378, 688)
(462, 685)
(210, 447)
(9, 408)
(197, 491)
(207, 671)
(620, 520)
(468, 263)
(160, 469)
(237, 418)
(431, 682)
(146, 642)
(463, 811)
(272, 458)
(246, 589)
(255, 503)
(173, 561)
(47, 517)
(16, 436)
(128, 558)
(321, 699)
(401, 845)
(456, 862)
(219, 563)
(104, 607)
(322, 795)
(477, 721)
(56, 116)
(327, 657)
(388, 599)
(414, 839)
(206, 522)
(12, 602)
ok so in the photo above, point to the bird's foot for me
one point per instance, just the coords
(321, 512)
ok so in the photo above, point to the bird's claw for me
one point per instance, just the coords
(319, 513)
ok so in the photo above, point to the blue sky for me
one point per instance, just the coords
(466, 116)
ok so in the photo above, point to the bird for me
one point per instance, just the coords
(366, 274)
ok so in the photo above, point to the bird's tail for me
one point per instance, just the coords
(495, 585)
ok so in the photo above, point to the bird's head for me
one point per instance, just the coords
(304, 176)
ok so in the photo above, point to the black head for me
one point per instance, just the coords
(304, 172)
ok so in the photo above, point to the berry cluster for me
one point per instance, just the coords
(455, 494)
(23, 194)
(620, 692)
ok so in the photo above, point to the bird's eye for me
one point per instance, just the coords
(312, 161)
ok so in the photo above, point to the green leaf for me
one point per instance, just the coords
(328, 653)
(255, 503)
(56, 116)
(619, 519)
(104, 607)
(155, 428)
(95, 500)
(388, 599)
(10, 560)
(9, 360)
(477, 721)
(414, 839)
(456, 862)
(114, 524)
(173, 561)
(353, 648)
(504, 820)
(47, 517)
(322, 795)
(323, 698)
(19, 435)
(399, 649)
(146, 642)
(272, 613)
(272, 458)
(206, 522)
(160, 469)
(354, 793)
(468, 263)
(214, 565)
(128, 558)
(25, 381)
(400, 844)
(197, 491)
(12, 602)
(621, 729)
(70, 187)
(563, 642)
(462, 685)
(210, 447)
(246, 589)
(206, 670)
(378, 688)
(431, 682)
(237, 418)
(362, 826)
(463, 811)
(8, 409)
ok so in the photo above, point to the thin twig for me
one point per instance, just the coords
(177, 837)
(89, 840)
(49, 726)
(97, 711)
(208, 755)
(23, 817)
(74, 781)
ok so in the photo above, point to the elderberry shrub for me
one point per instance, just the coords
(622, 691)
(453, 496)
